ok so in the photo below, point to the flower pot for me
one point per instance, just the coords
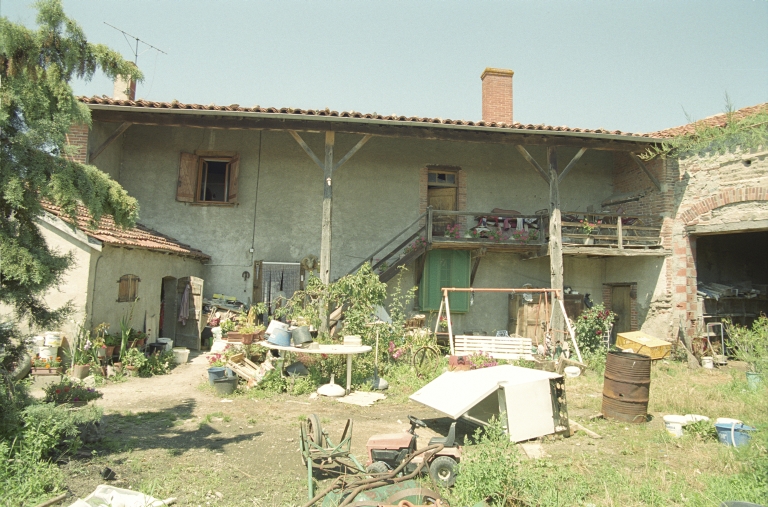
(46, 371)
(754, 379)
(102, 352)
(137, 344)
(132, 371)
(248, 338)
(234, 337)
(81, 371)
(110, 352)
(118, 366)
(589, 241)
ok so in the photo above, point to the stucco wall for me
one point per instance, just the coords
(376, 194)
(150, 267)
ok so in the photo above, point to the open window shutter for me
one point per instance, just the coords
(187, 184)
(234, 173)
(122, 290)
(429, 289)
(460, 273)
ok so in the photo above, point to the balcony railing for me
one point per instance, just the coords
(611, 230)
(488, 228)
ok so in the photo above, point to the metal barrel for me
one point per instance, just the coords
(626, 386)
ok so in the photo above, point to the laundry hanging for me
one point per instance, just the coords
(184, 309)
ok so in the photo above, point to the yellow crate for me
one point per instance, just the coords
(643, 343)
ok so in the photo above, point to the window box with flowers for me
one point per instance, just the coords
(46, 366)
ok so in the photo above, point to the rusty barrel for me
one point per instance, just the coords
(626, 386)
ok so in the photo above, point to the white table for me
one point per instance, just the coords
(331, 350)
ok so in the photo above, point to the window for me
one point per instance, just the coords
(445, 268)
(128, 289)
(208, 177)
(441, 179)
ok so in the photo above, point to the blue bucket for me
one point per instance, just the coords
(280, 337)
(215, 373)
(735, 434)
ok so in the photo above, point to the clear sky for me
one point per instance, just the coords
(637, 66)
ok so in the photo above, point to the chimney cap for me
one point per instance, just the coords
(497, 72)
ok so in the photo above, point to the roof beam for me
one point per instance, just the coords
(351, 152)
(380, 128)
(112, 138)
(527, 156)
(647, 172)
(307, 149)
(571, 164)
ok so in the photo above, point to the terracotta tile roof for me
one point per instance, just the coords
(135, 237)
(718, 120)
(104, 100)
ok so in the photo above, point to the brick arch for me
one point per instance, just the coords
(726, 196)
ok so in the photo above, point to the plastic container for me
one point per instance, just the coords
(275, 324)
(46, 351)
(168, 342)
(735, 434)
(180, 355)
(707, 362)
(216, 373)
(52, 339)
(280, 337)
(674, 424)
(225, 385)
(572, 371)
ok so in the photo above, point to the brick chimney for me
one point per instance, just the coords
(497, 95)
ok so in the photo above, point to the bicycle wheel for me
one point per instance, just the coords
(425, 360)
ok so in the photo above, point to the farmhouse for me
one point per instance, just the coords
(271, 194)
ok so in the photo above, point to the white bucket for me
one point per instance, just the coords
(46, 352)
(572, 371)
(53, 339)
(707, 362)
(674, 424)
(275, 324)
(180, 355)
(168, 342)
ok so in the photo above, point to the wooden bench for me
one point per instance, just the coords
(498, 347)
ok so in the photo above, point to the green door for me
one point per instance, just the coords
(445, 268)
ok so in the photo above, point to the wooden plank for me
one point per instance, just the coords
(325, 240)
(555, 235)
(571, 164)
(647, 172)
(112, 138)
(620, 233)
(527, 156)
(476, 263)
(306, 148)
(741, 226)
(351, 152)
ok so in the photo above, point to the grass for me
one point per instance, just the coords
(641, 464)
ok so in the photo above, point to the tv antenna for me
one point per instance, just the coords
(135, 48)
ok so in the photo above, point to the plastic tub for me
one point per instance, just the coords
(707, 362)
(225, 385)
(674, 424)
(572, 371)
(735, 434)
(216, 373)
(180, 355)
(168, 342)
(275, 324)
(53, 339)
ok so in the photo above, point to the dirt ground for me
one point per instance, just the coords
(171, 436)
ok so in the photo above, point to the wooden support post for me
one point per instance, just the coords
(112, 138)
(555, 238)
(325, 242)
(429, 225)
(620, 233)
(647, 172)
(527, 156)
(450, 325)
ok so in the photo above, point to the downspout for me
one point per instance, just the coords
(91, 296)
(255, 206)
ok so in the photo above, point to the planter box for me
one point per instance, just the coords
(46, 371)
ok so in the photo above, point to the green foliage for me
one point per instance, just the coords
(37, 108)
(135, 357)
(68, 391)
(299, 385)
(489, 469)
(745, 133)
(24, 480)
(159, 363)
(592, 327)
(750, 345)
(273, 383)
(595, 359)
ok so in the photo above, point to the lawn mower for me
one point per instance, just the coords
(388, 451)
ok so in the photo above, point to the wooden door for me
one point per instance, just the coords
(620, 305)
(442, 198)
(188, 333)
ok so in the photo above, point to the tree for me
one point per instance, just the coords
(37, 108)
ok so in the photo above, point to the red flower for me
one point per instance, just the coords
(599, 332)
(58, 391)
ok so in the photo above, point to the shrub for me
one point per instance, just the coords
(157, 364)
(68, 391)
(751, 345)
(592, 328)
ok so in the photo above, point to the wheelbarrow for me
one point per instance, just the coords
(318, 451)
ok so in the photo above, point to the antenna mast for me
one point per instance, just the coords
(135, 49)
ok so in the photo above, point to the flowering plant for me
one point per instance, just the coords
(586, 227)
(480, 359)
(443, 323)
(592, 328)
(48, 362)
(216, 359)
(80, 351)
(525, 236)
(395, 352)
(453, 231)
(68, 391)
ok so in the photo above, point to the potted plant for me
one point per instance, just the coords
(133, 360)
(111, 341)
(587, 228)
(138, 338)
(71, 392)
(80, 352)
(751, 346)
